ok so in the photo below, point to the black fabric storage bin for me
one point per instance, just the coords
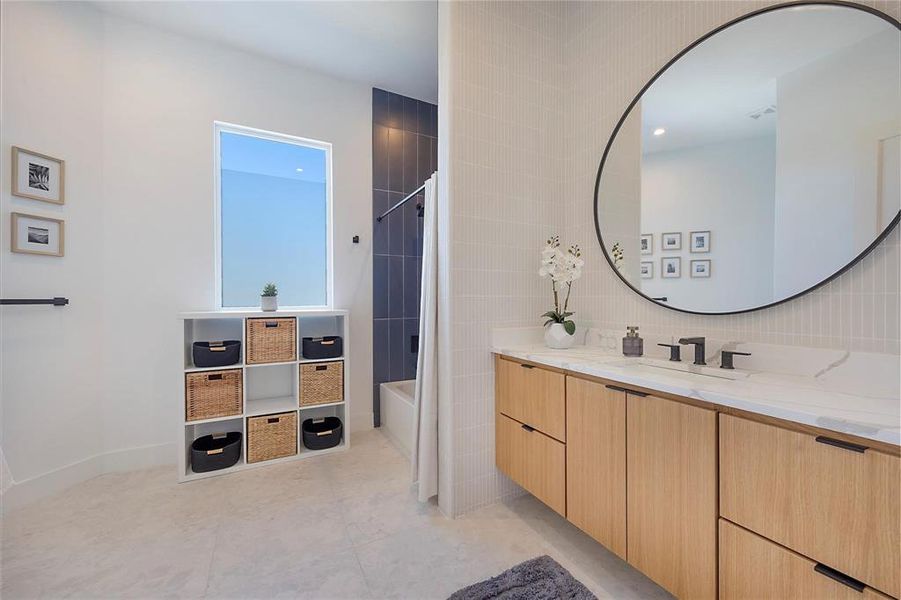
(330, 346)
(214, 452)
(319, 434)
(216, 354)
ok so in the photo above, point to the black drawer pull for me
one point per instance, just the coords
(215, 377)
(271, 324)
(322, 367)
(840, 444)
(840, 577)
(273, 420)
(616, 388)
(527, 428)
(526, 366)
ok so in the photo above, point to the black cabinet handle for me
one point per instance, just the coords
(616, 388)
(841, 444)
(527, 428)
(526, 366)
(840, 577)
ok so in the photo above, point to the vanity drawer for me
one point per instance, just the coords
(533, 460)
(752, 567)
(532, 395)
(836, 504)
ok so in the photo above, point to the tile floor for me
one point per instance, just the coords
(341, 526)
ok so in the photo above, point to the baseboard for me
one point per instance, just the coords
(22, 493)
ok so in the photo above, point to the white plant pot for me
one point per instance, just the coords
(555, 336)
(269, 303)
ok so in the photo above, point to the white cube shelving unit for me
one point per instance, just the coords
(269, 388)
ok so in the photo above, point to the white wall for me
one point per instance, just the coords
(502, 104)
(832, 115)
(131, 110)
(727, 189)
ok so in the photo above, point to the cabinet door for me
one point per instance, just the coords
(752, 567)
(596, 462)
(835, 502)
(531, 395)
(533, 460)
(672, 512)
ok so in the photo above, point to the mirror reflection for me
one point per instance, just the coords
(760, 163)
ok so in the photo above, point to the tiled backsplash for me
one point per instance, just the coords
(404, 155)
(536, 89)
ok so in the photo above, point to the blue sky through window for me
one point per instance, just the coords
(274, 208)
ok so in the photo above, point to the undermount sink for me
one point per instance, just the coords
(683, 367)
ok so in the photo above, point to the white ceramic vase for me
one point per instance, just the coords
(555, 336)
(269, 303)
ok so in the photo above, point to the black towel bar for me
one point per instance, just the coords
(54, 301)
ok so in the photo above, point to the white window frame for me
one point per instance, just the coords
(220, 127)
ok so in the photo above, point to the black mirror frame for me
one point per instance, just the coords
(683, 52)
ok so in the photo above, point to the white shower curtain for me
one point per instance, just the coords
(425, 419)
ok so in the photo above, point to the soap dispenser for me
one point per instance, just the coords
(633, 345)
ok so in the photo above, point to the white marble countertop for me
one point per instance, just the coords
(842, 396)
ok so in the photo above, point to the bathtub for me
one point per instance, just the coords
(397, 413)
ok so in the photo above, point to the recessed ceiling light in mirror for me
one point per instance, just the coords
(659, 131)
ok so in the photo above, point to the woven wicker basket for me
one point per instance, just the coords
(210, 394)
(271, 340)
(321, 383)
(271, 436)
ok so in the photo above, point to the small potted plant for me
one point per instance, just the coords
(269, 298)
(562, 267)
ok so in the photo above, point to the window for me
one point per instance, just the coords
(273, 204)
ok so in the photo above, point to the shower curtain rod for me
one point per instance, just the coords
(399, 204)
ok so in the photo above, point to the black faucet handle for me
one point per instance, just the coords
(674, 351)
(726, 362)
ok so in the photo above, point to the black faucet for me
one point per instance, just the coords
(726, 362)
(700, 353)
(673, 351)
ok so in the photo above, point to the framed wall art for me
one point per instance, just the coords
(37, 176)
(33, 234)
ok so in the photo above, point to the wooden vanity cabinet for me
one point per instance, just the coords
(672, 508)
(703, 502)
(834, 502)
(753, 567)
(596, 461)
(533, 460)
(531, 395)
(530, 429)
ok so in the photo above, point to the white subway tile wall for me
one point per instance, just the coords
(535, 90)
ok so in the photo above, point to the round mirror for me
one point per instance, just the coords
(762, 161)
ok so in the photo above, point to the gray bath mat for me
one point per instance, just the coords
(541, 578)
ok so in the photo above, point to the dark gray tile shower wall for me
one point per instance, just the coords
(404, 155)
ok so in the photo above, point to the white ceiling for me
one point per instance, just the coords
(388, 44)
(707, 95)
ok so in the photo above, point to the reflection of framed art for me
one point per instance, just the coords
(38, 176)
(646, 267)
(32, 234)
(700, 268)
(700, 241)
(671, 241)
(647, 243)
(671, 267)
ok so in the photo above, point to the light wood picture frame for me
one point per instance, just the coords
(671, 240)
(671, 267)
(700, 269)
(699, 242)
(35, 234)
(38, 176)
